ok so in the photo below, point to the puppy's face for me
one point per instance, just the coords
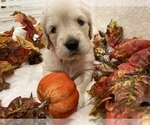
(68, 30)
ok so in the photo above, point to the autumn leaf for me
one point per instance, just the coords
(6, 68)
(26, 44)
(27, 24)
(100, 49)
(114, 34)
(7, 33)
(34, 58)
(128, 47)
(3, 85)
(106, 68)
(32, 19)
(122, 88)
(141, 58)
(22, 50)
(129, 91)
(99, 87)
(22, 108)
(25, 21)
(4, 40)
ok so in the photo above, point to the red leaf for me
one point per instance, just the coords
(114, 34)
(141, 58)
(28, 26)
(99, 87)
(127, 48)
(32, 19)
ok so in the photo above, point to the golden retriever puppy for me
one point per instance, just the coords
(68, 29)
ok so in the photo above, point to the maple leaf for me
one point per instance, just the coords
(141, 58)
(32, 19)
(27, 24)
(128, 47)
(3, 85)
(6, 68)
(39, 39)
(122, 88)
(15, 52)
(34, 33)
(4, 41)
(26, 44)
(22, 108)
(126, 115)
(130, 90)
(21, 50)
(99, 87)
(7, 33)
(127, 91)
(105, 67)
(114, 34)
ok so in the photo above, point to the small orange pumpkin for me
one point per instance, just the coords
(59, 90)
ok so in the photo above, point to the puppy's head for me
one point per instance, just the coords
(68, 29)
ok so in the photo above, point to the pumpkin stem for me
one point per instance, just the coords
(43, 104)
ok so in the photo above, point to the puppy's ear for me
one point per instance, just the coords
(86, 10)
(46, 35)
(49, 42)
(90, 29)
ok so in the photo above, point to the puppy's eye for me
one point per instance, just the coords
(53, 30)
(80, 22)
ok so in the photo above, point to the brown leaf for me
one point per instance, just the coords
(34, 58)
(22, 108)
(6, 69)
(7, 33)
(2, 111)
(3, 85)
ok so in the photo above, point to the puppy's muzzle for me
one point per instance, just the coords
(72, 44)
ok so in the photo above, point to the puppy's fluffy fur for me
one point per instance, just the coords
(68, 28)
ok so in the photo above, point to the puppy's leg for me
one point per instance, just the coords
(82, 82)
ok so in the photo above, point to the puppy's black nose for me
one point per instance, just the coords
(72, 44)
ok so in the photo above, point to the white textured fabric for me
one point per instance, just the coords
(134, 20)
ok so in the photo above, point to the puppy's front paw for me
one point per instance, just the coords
(81, 102)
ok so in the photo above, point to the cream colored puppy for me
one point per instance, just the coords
(68, 29)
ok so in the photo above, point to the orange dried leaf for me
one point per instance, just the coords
(5, 40)
(32, 19)
(26, 44)
(5, 67)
